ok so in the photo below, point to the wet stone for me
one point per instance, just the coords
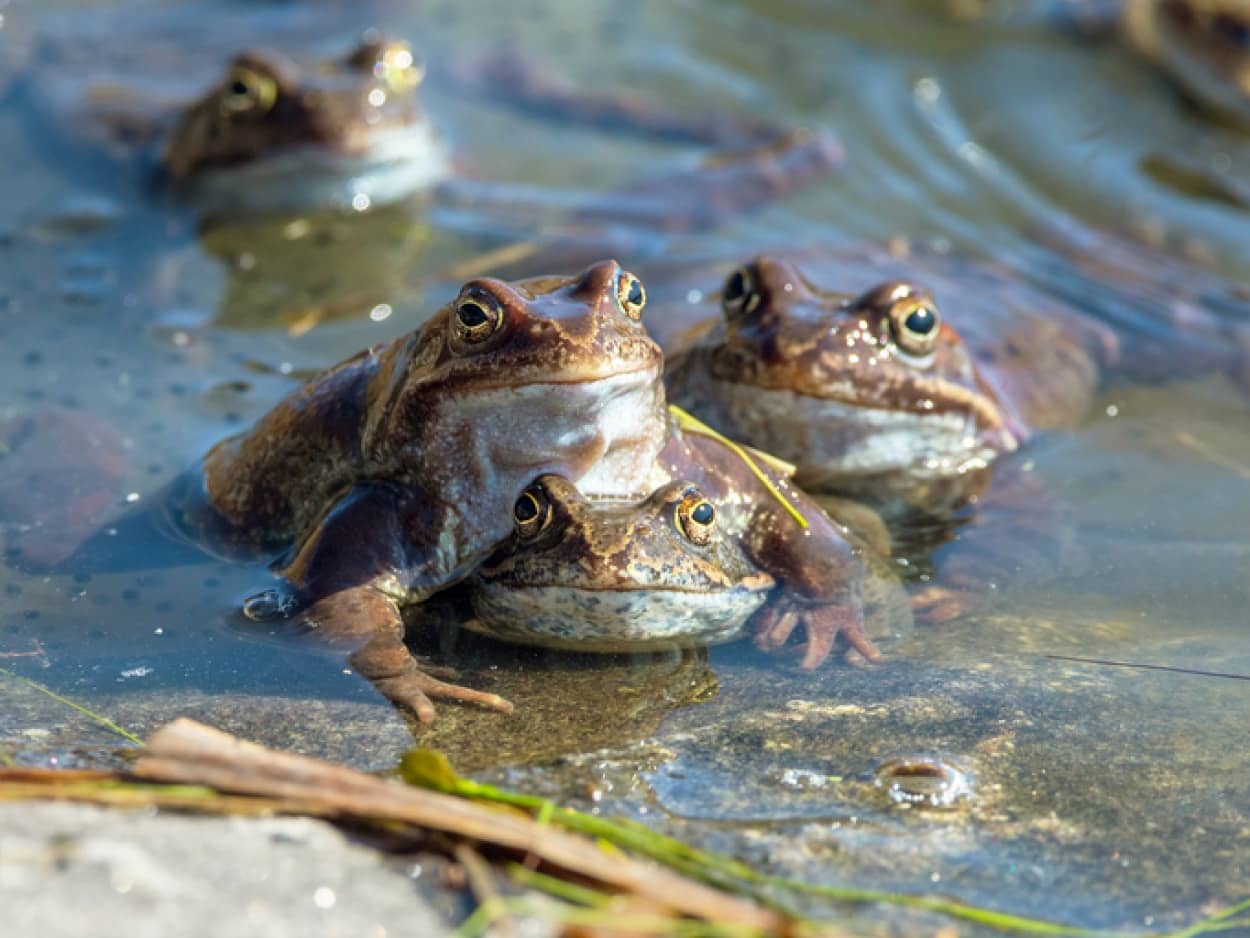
(112, 873)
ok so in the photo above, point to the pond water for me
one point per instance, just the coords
(1097, 794)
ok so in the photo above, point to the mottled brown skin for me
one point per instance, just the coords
(834, 382)
(200, 124)
(616, 576)
(379, 414)
(395, 472)
(240, 132)
(818, 568)
(266, 103)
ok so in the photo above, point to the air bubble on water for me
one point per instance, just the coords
(922, 781)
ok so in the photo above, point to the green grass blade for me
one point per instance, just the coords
(90, 714)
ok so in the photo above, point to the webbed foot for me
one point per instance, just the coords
(370, 620)
(822, 625)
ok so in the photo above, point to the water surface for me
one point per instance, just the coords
(1100, 794)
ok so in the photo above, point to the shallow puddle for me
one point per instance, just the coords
(1091, 713)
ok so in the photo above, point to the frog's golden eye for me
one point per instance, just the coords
(247, 90)
(915, 323)
(476, 318)
(531, 513)
(739, 297)
(696, 517)
(631, 295)
(396, 66)
(390, 61)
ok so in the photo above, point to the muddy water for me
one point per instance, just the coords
(1099, 794)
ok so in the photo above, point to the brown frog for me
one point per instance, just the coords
(257, 131)
(394, 473)
(272, 135)
(882, 393)
(616, 576)
(297, 124)
(622, 576)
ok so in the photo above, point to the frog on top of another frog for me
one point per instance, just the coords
(394, 474)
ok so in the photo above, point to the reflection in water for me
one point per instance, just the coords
(1070, 164)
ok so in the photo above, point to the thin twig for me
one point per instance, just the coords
(1107, 662)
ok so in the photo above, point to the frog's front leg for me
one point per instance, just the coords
(367, 619)
(822, 624)
(376, 549)
(820, 572)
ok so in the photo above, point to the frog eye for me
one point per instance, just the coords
(390, 61)
(915, 324)
(396, 66)
(1231, 30)
(631, 295)
(739, 297)
(696, 517)
(247, 90)
(477, 317)
(531, 513)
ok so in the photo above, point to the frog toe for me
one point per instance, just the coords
(773, 627)
(417, 690)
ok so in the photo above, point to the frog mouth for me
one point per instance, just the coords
(834, 438)
(630, 374)
(719, 590)
(613, 620)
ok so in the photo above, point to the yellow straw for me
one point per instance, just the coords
(692, 424)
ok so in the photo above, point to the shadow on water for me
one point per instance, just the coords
(1106, 795)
